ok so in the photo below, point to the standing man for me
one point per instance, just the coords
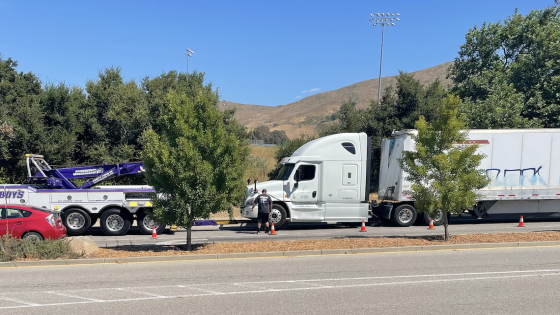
(265, 206)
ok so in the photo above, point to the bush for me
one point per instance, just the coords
(12, 248)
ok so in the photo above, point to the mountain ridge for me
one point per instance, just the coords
(305, 116)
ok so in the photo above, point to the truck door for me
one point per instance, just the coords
(305, 194)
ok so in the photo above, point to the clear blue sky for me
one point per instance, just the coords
(257, 52)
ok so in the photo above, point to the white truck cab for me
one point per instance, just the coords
(325, 180)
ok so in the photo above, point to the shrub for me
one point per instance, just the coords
(12, 248)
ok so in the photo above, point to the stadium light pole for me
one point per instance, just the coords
(383, 19)
(189, 54)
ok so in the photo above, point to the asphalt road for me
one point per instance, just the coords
(246, 232)
(495, 281)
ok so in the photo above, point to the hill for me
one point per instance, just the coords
(306, 115)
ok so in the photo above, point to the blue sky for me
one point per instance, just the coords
(256, 52)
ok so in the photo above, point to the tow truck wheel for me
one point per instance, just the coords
(277, 216)
(404, 215)
(115, 222)
(146, 224)
(77, 221)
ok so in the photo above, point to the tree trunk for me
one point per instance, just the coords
(445, 225)
(189, 240)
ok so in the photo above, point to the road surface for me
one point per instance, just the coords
(244, 233)
(495, 281)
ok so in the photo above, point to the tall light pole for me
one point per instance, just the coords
(383, 19)
(189, 54)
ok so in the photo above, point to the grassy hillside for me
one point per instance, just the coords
(307, 115)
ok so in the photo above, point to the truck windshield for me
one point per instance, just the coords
(285, 172)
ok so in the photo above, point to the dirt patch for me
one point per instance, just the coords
(343, 243)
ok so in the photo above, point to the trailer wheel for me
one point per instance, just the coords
(115, 222)
(404, 215)
(76, 221)
(146, 224)
(278, 216)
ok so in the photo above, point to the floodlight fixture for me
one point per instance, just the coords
(386, 20)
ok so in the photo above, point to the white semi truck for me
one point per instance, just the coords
(327, 180)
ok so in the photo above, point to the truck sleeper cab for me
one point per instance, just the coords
(325, 180)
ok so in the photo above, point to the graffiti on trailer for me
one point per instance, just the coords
(516, 177)
(11, 194)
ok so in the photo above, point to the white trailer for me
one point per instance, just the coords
(327, 179)
(520, 163)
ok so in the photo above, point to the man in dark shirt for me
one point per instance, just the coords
(265, 206)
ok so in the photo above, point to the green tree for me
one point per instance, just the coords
(520, 54)
(444, 177)
(194, 163)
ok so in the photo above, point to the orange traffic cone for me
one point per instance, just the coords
(521, 223)
(431, 227)
(154, 233)
(272, 230)
(363, 229)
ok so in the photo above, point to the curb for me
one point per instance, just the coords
(295, 253)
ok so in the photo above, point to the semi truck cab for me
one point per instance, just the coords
(325, 180)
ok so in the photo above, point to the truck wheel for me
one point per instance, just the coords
(146, 224)
(115, 222)
(425, 218)
(404, 215)
(76, 221)
(277, 216)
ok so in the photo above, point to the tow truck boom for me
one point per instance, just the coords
(40, 172)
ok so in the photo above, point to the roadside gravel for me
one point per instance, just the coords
(343, 243)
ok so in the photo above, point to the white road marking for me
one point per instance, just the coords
(207, 291)
(429, 279)
(26, 304)
(141, 292)
(74, 296)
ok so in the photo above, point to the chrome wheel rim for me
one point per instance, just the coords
(149, 223)
(405, 215)
(275, 216)
(438, 216)
(114, 222)
(75, 221)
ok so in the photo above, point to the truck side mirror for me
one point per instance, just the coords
(249, 181)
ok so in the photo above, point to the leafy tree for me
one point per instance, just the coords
(278, 137)
(519, 56)
(444, 177)
(20, 111)
(286, 150)
(194, 163)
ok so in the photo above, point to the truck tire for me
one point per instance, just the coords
(76, 221)
(404, 215)
(145, 224)
(278, 216)
(115, 222)
(425, 219)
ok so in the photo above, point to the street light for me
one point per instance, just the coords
(189, 53)
(383, 19)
